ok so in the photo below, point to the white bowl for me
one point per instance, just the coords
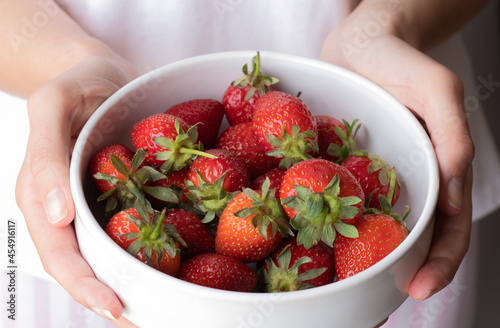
(388, 130)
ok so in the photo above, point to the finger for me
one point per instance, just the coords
(49, 152)
(381, 324)
(123, 322)
(450, 244)
(434, 94)
(59, 253)
(448, 128)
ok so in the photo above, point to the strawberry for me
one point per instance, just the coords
(284, 128)
(321, 198)
(293, 267)
(379, 234)
(335, 138)
(101, 163)
(375, 176)
(212, 182)
(143, 235)
(218, 271)
(251, 226)
(124, 178)
(167, 144)
(239, 140)
(240, 97)
(275, 176)
(206, 114)
(199, 239)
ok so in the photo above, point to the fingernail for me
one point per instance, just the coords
(426, 295)
(56, 205)
(455, 188)
(103, 313)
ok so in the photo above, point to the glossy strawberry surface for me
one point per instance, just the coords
(207, 114)
(379, 235)
(220, 272)
(159, 125)
(101, 163)
(238, 238)
(239, 140)
(125, 232)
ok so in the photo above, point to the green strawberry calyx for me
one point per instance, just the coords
(153, 235)
(386, 174)
(267, 210)
(126, 192)
(319, 216)
(285, 278)
(292, 148)
(348, 141)
(181, 151)
(387, 210)
(209, 198)
(259, 83)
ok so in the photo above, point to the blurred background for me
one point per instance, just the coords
(482, 38)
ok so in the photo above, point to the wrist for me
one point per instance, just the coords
(68, 51)
(44, 59)
(369, 23)
(380, 18)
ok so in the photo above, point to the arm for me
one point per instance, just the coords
(66, 74)
(383, 40)
(41, 42)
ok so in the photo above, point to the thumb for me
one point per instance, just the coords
(49, 150)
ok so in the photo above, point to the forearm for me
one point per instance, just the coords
(40, 42)
(421, 23)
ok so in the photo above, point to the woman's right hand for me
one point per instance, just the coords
(57, 111)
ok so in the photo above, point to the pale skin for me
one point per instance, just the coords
(66, 74)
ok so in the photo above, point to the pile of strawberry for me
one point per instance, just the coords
(281, 200)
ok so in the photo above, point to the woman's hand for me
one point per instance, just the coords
(435, 95)
(57, 110)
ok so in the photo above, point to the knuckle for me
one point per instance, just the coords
(468, 149)
(48, 98)
(42, 158)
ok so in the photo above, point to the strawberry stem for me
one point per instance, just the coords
(320, 224)
(392, 186)
(154, 235)
(298, 152)
(196, 152)
(257, 66)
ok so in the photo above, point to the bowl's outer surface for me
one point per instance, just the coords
(153, 299)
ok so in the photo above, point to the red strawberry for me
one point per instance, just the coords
(198, 237)
(218, 271)
(101, 163)
(239, 140)
(335, 138)
(171, 143)
(206, 114)
(251, 226)
(375, 176)
(124, 178)
(321, 197)
(293, 267)
(379, 235)
(144, 236)
(240, 97)
(212, 182)
(275, 176)
(284, 128)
